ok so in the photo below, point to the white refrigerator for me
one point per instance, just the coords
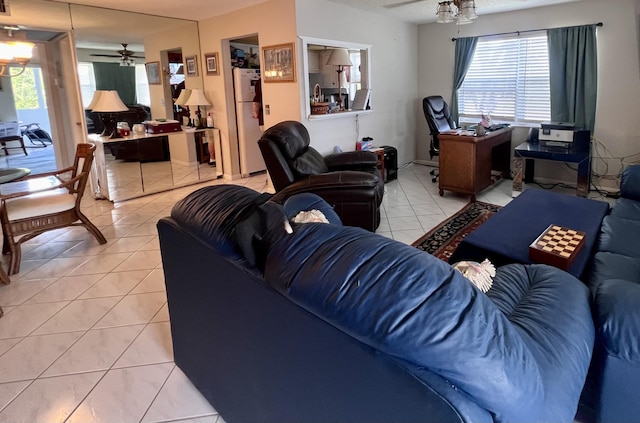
(244, 81)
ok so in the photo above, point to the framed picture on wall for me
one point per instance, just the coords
(153, 72)
(191, 65)
(211, 63)
(279, 63)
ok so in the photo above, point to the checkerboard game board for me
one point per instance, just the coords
(557, 246)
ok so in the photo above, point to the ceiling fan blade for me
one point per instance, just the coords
(404, 3)
(104, 55)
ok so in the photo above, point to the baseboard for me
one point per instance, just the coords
(426, 163)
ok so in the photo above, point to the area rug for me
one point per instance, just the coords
(443, 240)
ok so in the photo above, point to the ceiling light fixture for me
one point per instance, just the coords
(127, 61)
(14, 51)
(465, 12)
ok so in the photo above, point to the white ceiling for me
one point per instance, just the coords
(420, 11)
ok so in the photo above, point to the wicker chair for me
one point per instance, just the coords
(48, 201)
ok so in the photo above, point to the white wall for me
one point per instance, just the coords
(274, 22)
(394, 77)
(618, 107)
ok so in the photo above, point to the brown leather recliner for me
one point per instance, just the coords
(349, 181)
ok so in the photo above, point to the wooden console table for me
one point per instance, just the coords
(469, 164)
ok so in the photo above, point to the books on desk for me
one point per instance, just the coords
(462, 132)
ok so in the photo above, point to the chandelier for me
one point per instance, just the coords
(13, 51)
(465, 12)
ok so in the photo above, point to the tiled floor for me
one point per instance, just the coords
(85, 336)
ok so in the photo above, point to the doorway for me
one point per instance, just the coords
(247, 88)
(30, 107)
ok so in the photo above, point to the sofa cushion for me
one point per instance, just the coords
(618, 320)
(291, 137)
(614, 266)
(626, 209)
(309, 163)
(620, 236)
(416, 308)
(211, 214)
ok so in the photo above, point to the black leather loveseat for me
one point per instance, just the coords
(338, 324)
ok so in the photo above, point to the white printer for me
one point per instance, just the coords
(556, 134)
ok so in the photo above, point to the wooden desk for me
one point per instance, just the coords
(470, 164)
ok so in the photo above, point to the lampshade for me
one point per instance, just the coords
(197, 98)
(12, 51)
(339, 57)
(109, 101)
(445, 14)
(465, 11)
(468, 10)
(183, 97)
(94, 100)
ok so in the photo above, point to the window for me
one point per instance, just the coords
(355, 76)
(25, 88)
(87, 82)
(509, 79)
(317, 73)
(142, 85)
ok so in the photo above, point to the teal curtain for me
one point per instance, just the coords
(465, 47)
(112, 76)
(573, 74)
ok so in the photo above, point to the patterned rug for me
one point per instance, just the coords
(443, 240)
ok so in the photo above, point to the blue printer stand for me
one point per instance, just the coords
(579, 153)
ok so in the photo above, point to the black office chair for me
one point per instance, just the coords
(438, 116)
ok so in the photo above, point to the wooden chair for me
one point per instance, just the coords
(45, 201)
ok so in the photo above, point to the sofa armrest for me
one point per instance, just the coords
(332, 182)
(630, 184)
(351, 160)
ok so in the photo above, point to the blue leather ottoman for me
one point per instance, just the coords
(506, 236)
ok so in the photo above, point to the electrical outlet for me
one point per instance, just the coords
(162, 102)
(267, 110)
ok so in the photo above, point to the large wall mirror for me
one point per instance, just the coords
(112, 48)
(337, 78)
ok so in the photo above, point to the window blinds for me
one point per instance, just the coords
(509, 79)
(87, 82)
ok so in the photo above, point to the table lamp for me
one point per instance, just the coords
(339, 58)
(92, 104)
(108, 102)
(197, 98)
(182, 100)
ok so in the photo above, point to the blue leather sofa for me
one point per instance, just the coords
(337, 324)
(614, 380)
